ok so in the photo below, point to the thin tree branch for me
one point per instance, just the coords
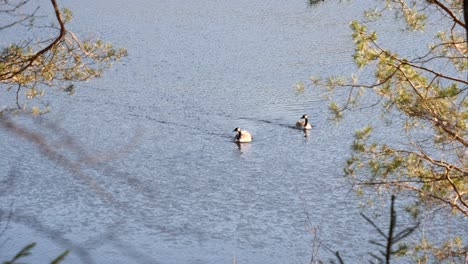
(449, 12)
(403, 62)
(460, 196)
(391, 228)
(423, 193)
(436, 122)
(32, 59)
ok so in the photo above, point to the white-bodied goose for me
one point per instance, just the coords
(242, 136)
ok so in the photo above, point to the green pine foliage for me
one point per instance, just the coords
(33, 68)
(428, 94)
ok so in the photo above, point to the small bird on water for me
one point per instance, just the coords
(242, 136)
(304, 124)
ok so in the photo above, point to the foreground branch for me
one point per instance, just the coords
(32, 59)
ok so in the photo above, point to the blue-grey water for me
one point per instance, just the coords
(159, 179)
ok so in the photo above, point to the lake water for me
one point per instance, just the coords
(155, 135)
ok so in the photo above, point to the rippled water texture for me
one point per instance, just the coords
(161, 122)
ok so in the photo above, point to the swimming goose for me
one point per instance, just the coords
(303, 124)
(242, 136)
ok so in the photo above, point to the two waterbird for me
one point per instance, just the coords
(244, 136)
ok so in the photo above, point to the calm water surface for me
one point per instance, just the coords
(182, 192)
